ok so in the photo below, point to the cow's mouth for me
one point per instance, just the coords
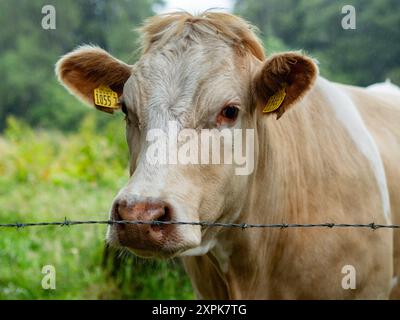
(159, 254)
(155, 241)
(162, 252)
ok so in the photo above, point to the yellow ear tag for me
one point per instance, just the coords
(275, 100)
(105, 97)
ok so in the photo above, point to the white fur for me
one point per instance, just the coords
(200, 250)
(394, 282)
(349, 116)
(384, 87)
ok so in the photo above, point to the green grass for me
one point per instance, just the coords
(45, 176)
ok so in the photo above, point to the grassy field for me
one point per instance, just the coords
(47, 176)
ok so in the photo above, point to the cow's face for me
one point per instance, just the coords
(175, 99)
(192, 93)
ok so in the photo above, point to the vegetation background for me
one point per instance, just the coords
(59, 159)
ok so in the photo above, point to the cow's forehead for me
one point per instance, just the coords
(183, 82)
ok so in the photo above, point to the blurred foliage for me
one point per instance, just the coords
(46, 176)
(84, 156)
(28, 53)
(363, 56)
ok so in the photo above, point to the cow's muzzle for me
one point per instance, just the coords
(146, 239)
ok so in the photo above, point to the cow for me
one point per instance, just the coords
(324, 152)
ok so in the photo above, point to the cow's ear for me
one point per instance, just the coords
(87, 68)
(282, 80)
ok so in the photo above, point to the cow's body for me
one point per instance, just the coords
(381, 115)
(333, 157)
(318, 172)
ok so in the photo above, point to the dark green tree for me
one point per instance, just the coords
(368, 54)
(28, 52)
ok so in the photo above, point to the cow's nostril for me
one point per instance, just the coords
(165, 216)
(116, 213)
(117, 216)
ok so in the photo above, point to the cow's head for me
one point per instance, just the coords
(196, 72)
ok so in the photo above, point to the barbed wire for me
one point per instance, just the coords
(330, 225)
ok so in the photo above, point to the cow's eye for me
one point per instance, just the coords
(228, 114)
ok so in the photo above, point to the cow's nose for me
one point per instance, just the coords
(143, 236)
(154, 210)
